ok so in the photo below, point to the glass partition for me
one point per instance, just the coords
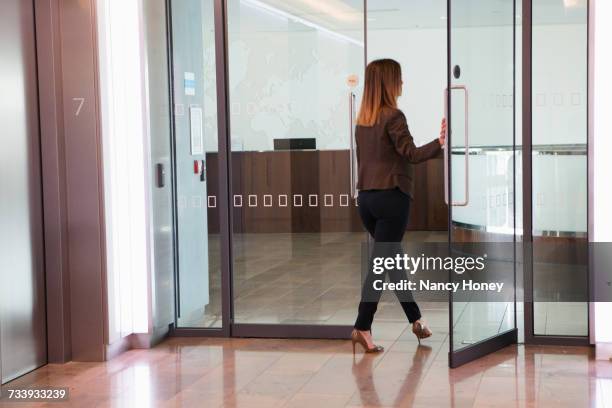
(293, 67)
(559, 166)
(294, 79)
(195, 159)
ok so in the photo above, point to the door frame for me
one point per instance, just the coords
(229, 327)
(527, 122)
(499, 341)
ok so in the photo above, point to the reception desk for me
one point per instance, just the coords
(309, 191)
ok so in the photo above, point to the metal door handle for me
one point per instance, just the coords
(352, 172)
(466, 147)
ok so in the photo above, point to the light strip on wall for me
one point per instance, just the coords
(283, 14)
(125, 169)
(574, 3)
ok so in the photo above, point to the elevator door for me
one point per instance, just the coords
(22, 297)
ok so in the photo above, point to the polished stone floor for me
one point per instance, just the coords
(197, 372)
(305, 278)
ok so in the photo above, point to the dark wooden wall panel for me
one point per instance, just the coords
(324, 174)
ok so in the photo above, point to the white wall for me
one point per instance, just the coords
(602, 145)
(559, 84)
(422, 55)
(559, 80)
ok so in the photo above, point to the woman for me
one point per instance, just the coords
(385, 154)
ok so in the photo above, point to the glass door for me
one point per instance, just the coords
(480, 174)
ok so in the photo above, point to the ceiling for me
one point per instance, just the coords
(386, 14)
(348, 15)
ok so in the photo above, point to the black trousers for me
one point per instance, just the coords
(384, 214)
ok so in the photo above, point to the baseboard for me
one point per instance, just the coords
(119, 347)
(136, 341)
(149, 340)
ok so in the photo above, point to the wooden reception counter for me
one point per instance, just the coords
(309, 191)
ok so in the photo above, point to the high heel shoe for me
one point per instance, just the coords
(420, 330)
(357, 337)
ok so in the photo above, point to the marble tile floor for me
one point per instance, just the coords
(200, 372)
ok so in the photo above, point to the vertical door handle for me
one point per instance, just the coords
(447, 151)
(352, 165)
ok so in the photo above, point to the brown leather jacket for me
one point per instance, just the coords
(386, 152)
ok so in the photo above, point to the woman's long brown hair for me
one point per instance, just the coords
(383, 85)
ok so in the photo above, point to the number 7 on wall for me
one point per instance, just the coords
(80, 101)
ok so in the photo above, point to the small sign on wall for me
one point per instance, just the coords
(190, 84)
(197, 137)
(352, 81)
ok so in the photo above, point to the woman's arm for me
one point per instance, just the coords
(397, 128)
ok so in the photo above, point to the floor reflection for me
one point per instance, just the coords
(184, 372)
(397, 383)
(314, 279)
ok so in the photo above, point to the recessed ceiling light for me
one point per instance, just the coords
(574, 3)
(292, 17)
(334, 8)
(443, 18)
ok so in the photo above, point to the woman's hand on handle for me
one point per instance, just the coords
(442, 138)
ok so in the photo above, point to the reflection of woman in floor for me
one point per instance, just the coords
(385, 155)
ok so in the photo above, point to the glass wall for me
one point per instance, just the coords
(295, 74)
(297, 237)
(196, 158)
(559, 161)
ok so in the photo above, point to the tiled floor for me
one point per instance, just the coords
(188, 372)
